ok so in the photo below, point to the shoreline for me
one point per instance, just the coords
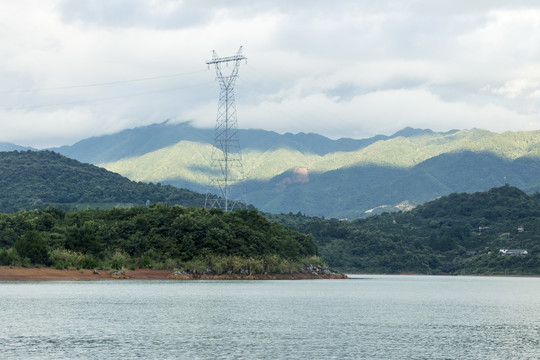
(16, 274)
(447, 275)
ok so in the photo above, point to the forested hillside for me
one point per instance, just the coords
(456, 234)
(360, 191)
(158, 236)
(344, 178)
(37, 179)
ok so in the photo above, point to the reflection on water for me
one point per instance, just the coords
(369, 317)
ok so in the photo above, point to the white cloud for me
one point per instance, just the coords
(516, 88)
(43, 129)
(369, 114)
(345, 68)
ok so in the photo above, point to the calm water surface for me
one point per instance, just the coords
(367, 317)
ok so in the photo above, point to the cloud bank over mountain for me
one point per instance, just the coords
(73, 69)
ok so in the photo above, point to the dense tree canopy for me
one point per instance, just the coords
(37, 179)
(153, 234)
(459, 234)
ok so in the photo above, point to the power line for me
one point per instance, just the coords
(301, 116)
(206, 83)
(279, 104)
(101, 84)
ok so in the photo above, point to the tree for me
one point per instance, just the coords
(32, 246)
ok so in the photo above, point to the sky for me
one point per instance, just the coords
(72, 69)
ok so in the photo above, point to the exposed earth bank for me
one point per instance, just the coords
(8, 273)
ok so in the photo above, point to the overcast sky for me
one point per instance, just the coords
(71, 69)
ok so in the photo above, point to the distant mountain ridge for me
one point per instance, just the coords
(343, 178)
(5, 146)
(131, 142)
(142, 140)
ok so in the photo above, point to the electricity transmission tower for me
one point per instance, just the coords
(226, 189)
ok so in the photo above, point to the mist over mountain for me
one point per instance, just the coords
(315, 175)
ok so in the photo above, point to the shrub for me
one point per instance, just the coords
(90, 262)
(313, 260)
(255, 266)
(171, 264)
(26, 262)
(271, 264)
(145, 262)
(9, 257)
(62, 258)
(119, 260)
(195, 266)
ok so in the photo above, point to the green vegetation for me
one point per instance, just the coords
(351, 192)
(350, 178)
(37, 179)
(158, 236)
(456, 234)
(266, 163)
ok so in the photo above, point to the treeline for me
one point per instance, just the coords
(158, 236)
(455, 234)
(38, 179)
(351, 248)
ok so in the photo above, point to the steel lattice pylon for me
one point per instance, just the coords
(226, 189)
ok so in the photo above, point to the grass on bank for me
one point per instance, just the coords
(211, 264)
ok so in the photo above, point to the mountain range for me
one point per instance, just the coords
(318, 176)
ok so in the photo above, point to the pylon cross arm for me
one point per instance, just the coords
(226, 59)
(217, 60)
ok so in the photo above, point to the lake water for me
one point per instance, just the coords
(366, 317)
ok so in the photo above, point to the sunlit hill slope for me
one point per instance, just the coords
(319, 176)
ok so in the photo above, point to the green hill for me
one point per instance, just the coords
(456, 234)
(37, 179)
(192, 240)
(345, 178)
(381, 175)
(365, 190)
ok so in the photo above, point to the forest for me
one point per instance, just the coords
(455, 234)
(159, 236)
(78, 215)
(38, 179)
